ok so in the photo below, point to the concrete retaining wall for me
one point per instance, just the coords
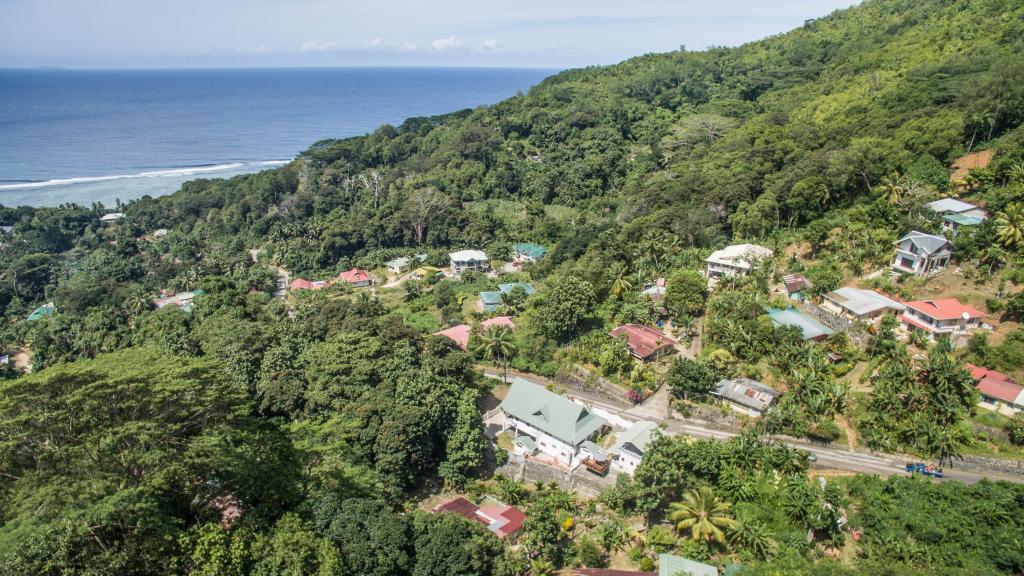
(579, 481)
(994, 465)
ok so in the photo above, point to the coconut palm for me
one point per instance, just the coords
(496, 342)
(1016, 173)
(893, 186)
(703, 515)
(994, 256)
(620, 279)
(1010, 226)
(541, 567)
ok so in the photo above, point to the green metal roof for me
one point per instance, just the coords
(491, 298)
(671, 565)
(550, 413)
(508, 287)
(42, 312)
(639, 435)
(535, 251)
(810, 327)
(963, 220)
(398, 262)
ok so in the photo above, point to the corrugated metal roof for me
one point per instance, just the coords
(550, 413)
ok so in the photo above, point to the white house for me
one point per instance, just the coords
(941, 317)
(542, 421)
(469, 260)
(746, 396)
(111, 217)
(630, 445)
(398, 265)
(948, 206)
(735, 260)
(921, 254)
(859, 304)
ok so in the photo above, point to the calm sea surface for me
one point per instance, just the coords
(88, 136)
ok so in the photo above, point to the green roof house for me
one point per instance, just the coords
(528, 251)
(42, 312)
(398, 265)
(630, 445)
(557, 425)
(671, 565)
(491, 299)
(809, 327)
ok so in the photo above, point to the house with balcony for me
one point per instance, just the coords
(921, 254)
(469, 260)
(541, 421)
(997, 391)
(528, 252)
(735, 260)
(858, 304)
(942, 317)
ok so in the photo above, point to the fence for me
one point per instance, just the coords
(579, 480)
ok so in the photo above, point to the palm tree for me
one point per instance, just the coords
(510, 491)
(994, 256)
(702, 514)
(541, 567)
(893, 186)
(753, 536)
(612, 535)
(496, 342)
(1010, 226)
(1016, 173)
(620, 279)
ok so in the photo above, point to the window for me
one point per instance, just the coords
(906, 263)
(913, 248)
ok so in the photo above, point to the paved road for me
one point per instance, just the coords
(829, 457)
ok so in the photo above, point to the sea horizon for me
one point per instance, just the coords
(89, 135)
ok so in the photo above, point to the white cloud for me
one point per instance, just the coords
(380, 44)
(489, 45)
(253, 50)
(314, 46)
(448, 43)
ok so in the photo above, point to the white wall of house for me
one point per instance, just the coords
(940, 327)
(912, 260)
(627, 461)
(549, 445)
(1001, 406)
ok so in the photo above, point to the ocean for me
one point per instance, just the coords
(99, 136)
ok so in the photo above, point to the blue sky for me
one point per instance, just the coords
(213, 33)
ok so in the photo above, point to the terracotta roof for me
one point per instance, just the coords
(944, 309)
(498, 321)
(303, 284)
(642, 340)
(355, 275)
(458, 334)
(995, 384)
(795, 282)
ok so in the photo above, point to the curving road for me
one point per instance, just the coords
(829, 457)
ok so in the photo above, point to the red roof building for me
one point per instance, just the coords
(644, 342)
(938, 317)
(303, 284)
(498, 321)
(458, 334)
(998, 391)
(504, 521)
(356, 277)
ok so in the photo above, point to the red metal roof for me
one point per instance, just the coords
(498, 321)
(995, 384)
(303, 284)
(642, 340)
(944, 309)
(458, 334)
(501, 520)
(355, 276)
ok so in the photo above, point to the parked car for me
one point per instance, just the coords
(924, 469)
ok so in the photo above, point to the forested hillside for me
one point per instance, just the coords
(258, 431)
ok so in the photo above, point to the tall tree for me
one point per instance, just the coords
(496, 343)
(703, 515)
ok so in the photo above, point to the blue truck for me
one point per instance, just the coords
(924, 469)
